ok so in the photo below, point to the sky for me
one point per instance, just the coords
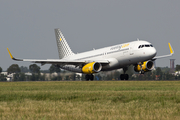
(27, 27)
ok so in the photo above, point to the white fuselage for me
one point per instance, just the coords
(119, 56)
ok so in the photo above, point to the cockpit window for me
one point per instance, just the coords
(141, 46)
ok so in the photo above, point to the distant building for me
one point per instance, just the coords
(9, 76)
(172, 69)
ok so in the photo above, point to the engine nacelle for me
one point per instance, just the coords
(146, 66)
(93, 67)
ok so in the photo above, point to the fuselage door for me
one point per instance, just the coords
(105, 54)
(131, 49)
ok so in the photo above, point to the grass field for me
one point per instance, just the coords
(97, 100)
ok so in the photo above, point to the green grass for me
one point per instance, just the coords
(90, 100)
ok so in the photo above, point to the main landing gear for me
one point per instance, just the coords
(89, 77)
(124, 76)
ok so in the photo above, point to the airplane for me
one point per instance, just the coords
(141, 54)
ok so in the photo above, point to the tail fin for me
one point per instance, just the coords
(63, 47)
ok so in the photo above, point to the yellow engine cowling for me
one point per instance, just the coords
(146, 66)
(93, 67)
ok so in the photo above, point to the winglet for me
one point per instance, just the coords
(10, 53)
(163, 56)
(12, 56)
(170, 48)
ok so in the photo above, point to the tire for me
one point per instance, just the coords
(87, 77)
(91, 77)
(124, 76)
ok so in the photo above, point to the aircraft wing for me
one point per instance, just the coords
(58, 61)
(163, 56)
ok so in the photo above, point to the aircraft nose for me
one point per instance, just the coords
(152, 52)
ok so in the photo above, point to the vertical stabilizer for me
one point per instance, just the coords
(63, 47)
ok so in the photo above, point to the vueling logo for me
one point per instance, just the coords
(125, 45)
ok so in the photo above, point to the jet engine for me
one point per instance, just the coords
(144, 67)
(93, 67)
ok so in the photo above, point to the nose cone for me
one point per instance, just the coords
(152, 52)
(149, 53)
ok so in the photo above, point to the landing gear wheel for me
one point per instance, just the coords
(124, 76)
(142, 72)
(89, 77)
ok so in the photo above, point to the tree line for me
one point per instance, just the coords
(19, 74)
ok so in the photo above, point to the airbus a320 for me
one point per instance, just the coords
(141, 54)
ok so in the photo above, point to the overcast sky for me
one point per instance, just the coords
(27, 27)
